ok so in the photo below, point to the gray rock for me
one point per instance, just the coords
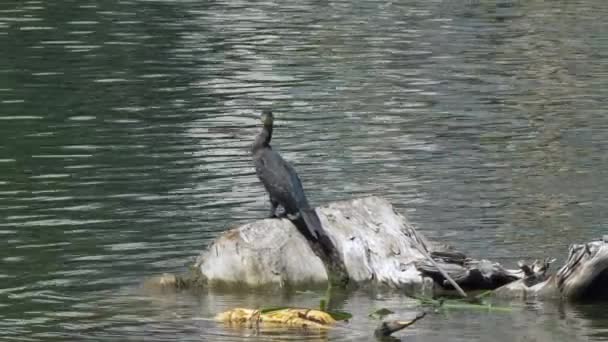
(377, 245)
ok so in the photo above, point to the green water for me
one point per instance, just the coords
(125, 127)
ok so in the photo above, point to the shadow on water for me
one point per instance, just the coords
(125, 128)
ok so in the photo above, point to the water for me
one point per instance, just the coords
(125, 127)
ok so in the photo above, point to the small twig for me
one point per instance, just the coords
(386, 328)
(443, 273)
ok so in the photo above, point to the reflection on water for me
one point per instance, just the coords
(125, 128)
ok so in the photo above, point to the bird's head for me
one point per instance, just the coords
(267, 118)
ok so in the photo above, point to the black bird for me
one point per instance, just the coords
(281, 180)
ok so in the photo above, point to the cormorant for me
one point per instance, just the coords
(281, 180)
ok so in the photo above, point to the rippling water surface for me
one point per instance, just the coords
(125, 127)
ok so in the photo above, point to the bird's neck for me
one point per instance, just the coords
(263, 139)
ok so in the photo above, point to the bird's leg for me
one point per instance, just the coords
(280, 212)
(293, 216)
(273, 208)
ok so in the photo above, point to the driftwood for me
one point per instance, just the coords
(442, 272)
(387, 328)
(584, 276)
(379, 247)
(470, 274)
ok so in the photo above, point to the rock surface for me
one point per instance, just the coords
(377, 245)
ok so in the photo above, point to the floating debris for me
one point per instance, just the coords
(292, 317)
(388, 327)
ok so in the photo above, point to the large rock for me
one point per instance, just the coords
(376, 243)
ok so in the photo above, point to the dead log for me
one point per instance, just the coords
(584, 276)
(470, 274)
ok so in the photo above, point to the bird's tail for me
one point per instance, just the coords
(313, 223)
(309, 224)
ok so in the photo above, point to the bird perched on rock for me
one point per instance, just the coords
(281, 180)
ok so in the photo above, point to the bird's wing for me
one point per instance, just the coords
(297, 190)
(281, 180)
